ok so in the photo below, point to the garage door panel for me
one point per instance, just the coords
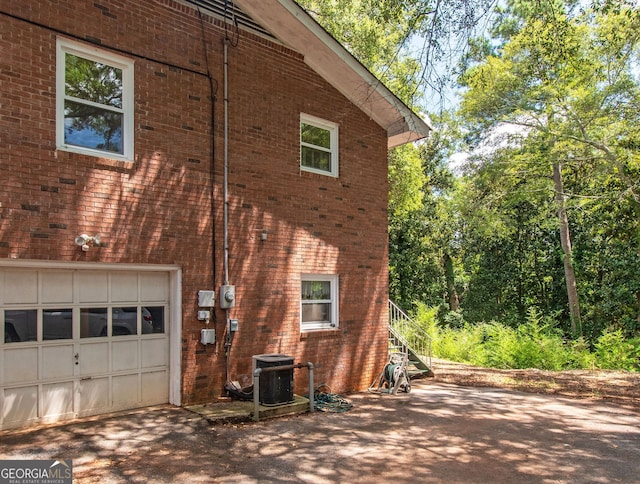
(125, 355)
(20, 365)
(93, 287)
(58, 362)
(125, 390)
(94, 358)
(124, 287)
(155, 352)
(93, 395)
(19, 287)
(20, 404)
(57, 400)
(56, 287)
(154, 286)
(155, 387)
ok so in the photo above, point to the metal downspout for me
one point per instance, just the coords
(228, 335)
(226, 164)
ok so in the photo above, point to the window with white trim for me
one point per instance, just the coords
(318, 301)
(94, 101)
(318, 145)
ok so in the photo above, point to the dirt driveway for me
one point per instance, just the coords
(438, 433)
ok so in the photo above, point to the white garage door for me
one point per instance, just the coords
(81, 342)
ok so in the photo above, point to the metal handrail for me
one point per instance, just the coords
(407, 334)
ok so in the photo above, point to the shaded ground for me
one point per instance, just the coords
(614, 386)
(439, 432)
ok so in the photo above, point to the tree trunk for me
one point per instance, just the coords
(454, 300)
(565, 240)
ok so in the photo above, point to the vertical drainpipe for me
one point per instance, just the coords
(226, 165)
(226, 198)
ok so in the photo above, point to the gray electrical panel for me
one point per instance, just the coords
(208, 336)
(206, 299)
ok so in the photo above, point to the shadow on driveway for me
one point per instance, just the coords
(436, 433)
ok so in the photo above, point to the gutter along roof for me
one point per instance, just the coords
(294, 27)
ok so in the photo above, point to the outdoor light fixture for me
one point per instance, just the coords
(85, 240)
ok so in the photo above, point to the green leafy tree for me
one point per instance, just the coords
(566, 80)
(413, 46)
(419, 224)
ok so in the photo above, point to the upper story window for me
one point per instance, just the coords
(318, 301)
(94, 111)
(318, 145)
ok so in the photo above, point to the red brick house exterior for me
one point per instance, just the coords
(158, 206)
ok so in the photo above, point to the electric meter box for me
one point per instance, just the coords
(206, 299)
(227, 297)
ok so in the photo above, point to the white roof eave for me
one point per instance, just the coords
(290, 24)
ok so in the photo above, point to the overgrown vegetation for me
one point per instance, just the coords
(529, 246)
(531, 252)
(536, 343)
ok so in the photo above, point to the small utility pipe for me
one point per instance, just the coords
(256, 384)
(225, 184)
(226, 164)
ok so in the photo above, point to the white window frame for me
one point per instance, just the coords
(334, 322)
(65, 46)
(333, 150)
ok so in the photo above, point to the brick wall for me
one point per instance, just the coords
(158, 209)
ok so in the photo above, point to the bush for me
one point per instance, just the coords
(614, 352)
(536, 343)
(580, 355)
(462, 344)
(541, 344)
(427, 318)
(500, 344)
(453, 319)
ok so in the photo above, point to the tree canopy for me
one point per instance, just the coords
(564, 78)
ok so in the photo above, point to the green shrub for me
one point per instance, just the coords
(453, 319)
(614, 352)
(461, 344)
(540, 344)
(500, 343)
(536, 343)
(580, 355)
(533, 344)
(427, 318)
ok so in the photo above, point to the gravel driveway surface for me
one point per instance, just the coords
(437, 433)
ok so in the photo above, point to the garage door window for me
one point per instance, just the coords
(57, 324)
(154, 314)
(20, 325)
(93, 322)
